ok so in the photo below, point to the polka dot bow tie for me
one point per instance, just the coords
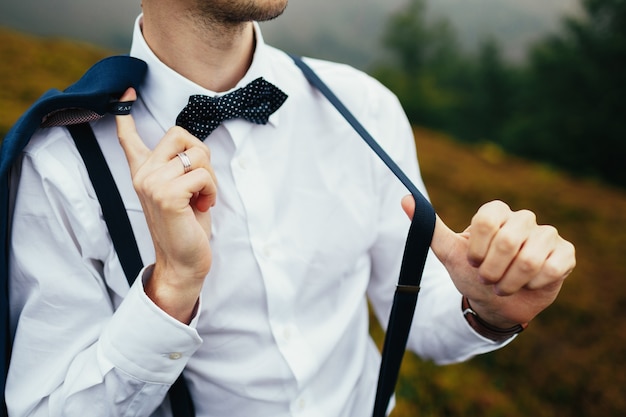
(254, 103)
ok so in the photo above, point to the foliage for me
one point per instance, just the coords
(572, 114)
(564, 107)
(31, 65)
(423, 73)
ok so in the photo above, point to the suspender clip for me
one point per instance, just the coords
(410, 289)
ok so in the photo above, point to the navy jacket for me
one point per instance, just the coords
(103, 83)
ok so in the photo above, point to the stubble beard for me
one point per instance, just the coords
(235, 12)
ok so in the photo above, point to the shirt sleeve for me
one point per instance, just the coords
(84, 350)
(439, 331)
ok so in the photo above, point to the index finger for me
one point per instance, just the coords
(484, 226)
(134, 148)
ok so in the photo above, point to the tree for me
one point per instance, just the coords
(494, 90)
(564, 107)
(423, 65)
(573, 107)
(487, 95)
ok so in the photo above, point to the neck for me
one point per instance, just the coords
(212, 54)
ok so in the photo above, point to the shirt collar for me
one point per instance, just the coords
(165, 92)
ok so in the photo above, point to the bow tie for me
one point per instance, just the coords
(254, 103)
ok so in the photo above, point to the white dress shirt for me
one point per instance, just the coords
(307, 226)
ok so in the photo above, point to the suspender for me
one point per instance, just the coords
(405, 298)
(110, 200)
(413, 260)
(122, 235)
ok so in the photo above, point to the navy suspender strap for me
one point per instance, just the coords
(122, 235)
(415, 252)
(110, 200)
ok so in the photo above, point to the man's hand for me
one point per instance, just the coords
(176, 205)
(508, 267)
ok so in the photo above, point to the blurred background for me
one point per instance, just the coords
(520, 101)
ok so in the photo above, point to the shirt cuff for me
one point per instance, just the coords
(144, 341)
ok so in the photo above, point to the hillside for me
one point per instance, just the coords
(570, 362)
(32, 65)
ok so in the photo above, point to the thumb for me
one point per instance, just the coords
(134, 148)
(445, 241)
(408, 205)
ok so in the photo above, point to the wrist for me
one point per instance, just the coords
(486, 329)
(177, 298)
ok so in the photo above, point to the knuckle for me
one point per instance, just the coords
(549, 230)
(554, 270)
(571, 250)
(504, 290)
(175, 136)
(204, 176)
(527, 215)
(528, 265)
(497, 204)
(139, 183)
(151, 189)
(210, 180)
(488, 276)
(535, 285)
(483, 224)
(151, 184)
(203, 181)
(201, 155)
(474, 259)
(161, 197)
(506, 243)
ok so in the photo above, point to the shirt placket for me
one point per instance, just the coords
(253, 185)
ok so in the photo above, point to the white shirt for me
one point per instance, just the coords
(307, 226)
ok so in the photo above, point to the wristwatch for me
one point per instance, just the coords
(485, 329)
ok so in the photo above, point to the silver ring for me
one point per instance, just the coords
(185, 161)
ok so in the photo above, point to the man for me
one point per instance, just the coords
(262, 242)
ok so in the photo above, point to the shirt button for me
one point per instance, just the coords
(175, 356)
(267, 251)
(287, 333)
(301, 404)
(243, 162)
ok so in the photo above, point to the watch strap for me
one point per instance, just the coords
(497, 334)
